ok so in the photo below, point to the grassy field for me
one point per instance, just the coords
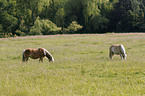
(81, 67)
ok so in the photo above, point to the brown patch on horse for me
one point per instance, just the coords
(35, 54)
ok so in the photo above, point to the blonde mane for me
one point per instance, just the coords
(46, 52)
(117, 49)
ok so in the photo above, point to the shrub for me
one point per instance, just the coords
(49, 27)
(35, 31)
(64, 31)
(5, 35)
(19, 33)
(37, 28)
(45, 27)
(23, 27)
(74, 27)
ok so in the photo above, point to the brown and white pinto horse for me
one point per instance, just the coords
(117, 49)
(35, 54)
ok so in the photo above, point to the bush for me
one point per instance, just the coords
(74, 27)
(64, 31)
(37, 28)
(24, 28)
(45, 27)
(19, 33)
(49, 27)
(5, 35)
(35, 31)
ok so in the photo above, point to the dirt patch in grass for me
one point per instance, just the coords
(45, 36)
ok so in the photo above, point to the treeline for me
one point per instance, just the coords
(35, 17)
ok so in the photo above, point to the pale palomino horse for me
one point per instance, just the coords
(117, 49)
(35, 54)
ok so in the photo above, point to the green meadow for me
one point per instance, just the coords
(81, 68)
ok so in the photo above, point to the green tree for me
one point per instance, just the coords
(28, 10)
(8, 19)
(128, 15)
(91, 14)
(131, 21)
(54, 12)
(9, 22)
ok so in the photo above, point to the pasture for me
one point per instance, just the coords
(81, 67)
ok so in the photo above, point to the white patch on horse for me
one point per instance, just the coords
(44, 51)
(23, 53)
(122, 49)
(48, 53)
(117, 49)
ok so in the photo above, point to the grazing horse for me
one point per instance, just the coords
(35, 54)
(117, 49)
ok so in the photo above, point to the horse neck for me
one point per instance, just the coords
(122, 49)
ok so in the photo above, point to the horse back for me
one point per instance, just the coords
(34, 53)
(115, 49)
(27, 52)
(37, 53)
(41, 51)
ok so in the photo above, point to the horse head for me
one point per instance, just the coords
(48, 55)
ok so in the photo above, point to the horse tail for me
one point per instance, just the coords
(110, 52)
(23, 57)
(48, 55)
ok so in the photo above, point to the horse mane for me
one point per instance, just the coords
(48, 55)
(122, 49)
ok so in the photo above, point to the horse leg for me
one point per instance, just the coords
(26, 59)
(41, 59)
(110, 55)
(121, 56)
(124, 56)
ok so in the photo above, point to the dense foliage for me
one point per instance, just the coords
(33, 17)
